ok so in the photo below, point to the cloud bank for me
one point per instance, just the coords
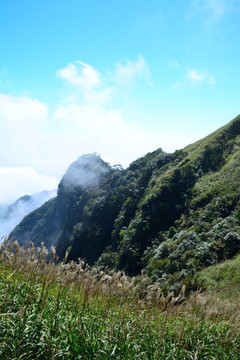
(19, 181)
(11, 215)
(37, 145)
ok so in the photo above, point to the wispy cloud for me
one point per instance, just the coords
(80, 74)
(198, 77)
(193, 76)
(213, 10)
(87, 83)
(216, 7)
(128, 73)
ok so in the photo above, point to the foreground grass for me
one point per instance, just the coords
(68, 311)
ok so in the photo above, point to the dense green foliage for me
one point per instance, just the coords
(68, 311)
(167, 214)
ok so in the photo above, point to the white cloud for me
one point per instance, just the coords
(16, 109)
(34, 143)
(50, 145)
(105, 131)
(198, 76)
(195, 76)
(21, 121)
(82, 123)
(86, 84)
(18, 181)
(80, 74)
(128, 73)
(29, 137)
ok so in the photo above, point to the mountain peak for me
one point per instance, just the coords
(86, 171)
(167, 214)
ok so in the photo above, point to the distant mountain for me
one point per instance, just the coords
(12, 214)
(167, 214)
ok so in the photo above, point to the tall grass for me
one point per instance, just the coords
(54, 310)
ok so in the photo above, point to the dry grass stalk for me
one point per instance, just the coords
(40, 264)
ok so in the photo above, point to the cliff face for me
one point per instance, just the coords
(48, 223)
(161, 206)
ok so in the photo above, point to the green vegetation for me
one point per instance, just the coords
(223, 279)
(167, 215)
(52, 310)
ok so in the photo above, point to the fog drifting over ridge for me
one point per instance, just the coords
(12, 214)
(86, 172)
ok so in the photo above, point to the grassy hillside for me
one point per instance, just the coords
(69, 311)
(169, 215)
(222, 279)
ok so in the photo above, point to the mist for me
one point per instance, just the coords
(86, 171)
(12, 214)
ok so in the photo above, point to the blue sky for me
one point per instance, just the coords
(120, 78)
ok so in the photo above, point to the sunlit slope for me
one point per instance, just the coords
(215, 160)
(222, 280)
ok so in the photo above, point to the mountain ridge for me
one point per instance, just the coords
(155, 215)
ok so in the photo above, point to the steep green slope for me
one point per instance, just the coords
(170, 214)
(222, 280)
